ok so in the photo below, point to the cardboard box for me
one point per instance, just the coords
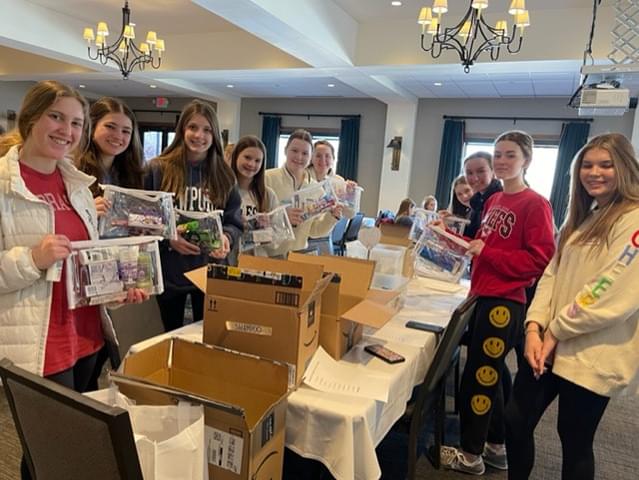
(244, 399)
(345, 308)
(272, 321)
(398, 235)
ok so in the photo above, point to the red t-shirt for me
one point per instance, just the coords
(518, 232)
(73, 334)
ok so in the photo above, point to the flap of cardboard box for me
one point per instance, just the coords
(319, 288)
(369, 313)
(198, 277)
(356, 274)
(238, 383)
(393, 234)
(383, 297)
(310, 273)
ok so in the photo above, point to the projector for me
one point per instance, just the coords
(604, 101)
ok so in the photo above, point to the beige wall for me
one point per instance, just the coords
(430, 123)
(371, 136)
(11, 94)
(159, 115)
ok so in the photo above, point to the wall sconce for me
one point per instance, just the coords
(396, 144)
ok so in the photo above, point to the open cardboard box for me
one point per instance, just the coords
(346, 307)
(272, 321)
(397, 235)
(244, 399)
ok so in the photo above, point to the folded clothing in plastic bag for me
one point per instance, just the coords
(348, 194)
(314, 199)
(441, 255)
(102, 271)
(203, 229)
(137, 212)
(272, 229)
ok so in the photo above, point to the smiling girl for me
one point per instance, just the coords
(114, 156)
(511, 249)
(293, 176)
(247, 161)
(478, 170)
(193, 168)
(582, 329)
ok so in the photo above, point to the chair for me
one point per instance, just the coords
(353, 227)
(65, 435)
(431, 394)
(338, 236)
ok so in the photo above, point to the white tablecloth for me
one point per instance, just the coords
(342, 431)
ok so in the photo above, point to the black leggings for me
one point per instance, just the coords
(580, 411)
(76, 378)
(172, 308)
(495, 328)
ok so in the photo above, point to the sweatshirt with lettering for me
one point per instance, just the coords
(517, 229)
(588, 300)
(193, 199)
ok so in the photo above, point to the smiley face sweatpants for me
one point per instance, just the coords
(494, 330)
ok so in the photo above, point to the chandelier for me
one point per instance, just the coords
(472, 35)
(123, 51)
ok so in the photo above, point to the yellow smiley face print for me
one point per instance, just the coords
(486, 376)
(494, 347)
(499, 316)
(480, 404)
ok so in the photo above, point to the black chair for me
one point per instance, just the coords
(338, 235)
(65, 435)
(431, 394)
(353, 227)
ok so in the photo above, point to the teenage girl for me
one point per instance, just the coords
(460, 196)
(248, 161)
(478, 170)
(511, 249)
(45, 203)
(322, 162)
(193, 168)
(114, 156)
(582, 329)
(291, 177)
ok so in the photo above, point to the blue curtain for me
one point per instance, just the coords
(449, 159)
(574, 135)
(348, 153)
(270, 136)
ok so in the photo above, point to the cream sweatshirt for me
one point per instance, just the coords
(283, 184)
(590, 304)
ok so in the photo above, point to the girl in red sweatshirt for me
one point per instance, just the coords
(510, 250)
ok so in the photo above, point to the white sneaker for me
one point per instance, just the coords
(453, 459)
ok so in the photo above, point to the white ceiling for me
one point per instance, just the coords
(528, 77)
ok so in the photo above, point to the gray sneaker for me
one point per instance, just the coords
(453, 459)
(496, 458)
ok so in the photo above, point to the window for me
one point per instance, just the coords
(281, 143)
(541, 172)
(155, 140)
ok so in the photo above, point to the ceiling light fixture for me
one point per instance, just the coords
(330, 85)
(123, 51)
(472, 35)
(81, 86)
(396, 3)
(438, 84)
(230, 86)
(153, 86)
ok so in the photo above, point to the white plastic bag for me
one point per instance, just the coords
(348, 194)
(267, 229)
(169, 439)
(137, 212)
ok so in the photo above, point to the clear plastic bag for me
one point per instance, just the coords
(421, 218)
(102, 271)
(348, 193)
(267, 229)
(314, 199)
(137, 212)
(441, 255)
(203, 229)
(456, 224)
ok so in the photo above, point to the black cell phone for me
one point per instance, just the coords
(426, 327)
(384, 353)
